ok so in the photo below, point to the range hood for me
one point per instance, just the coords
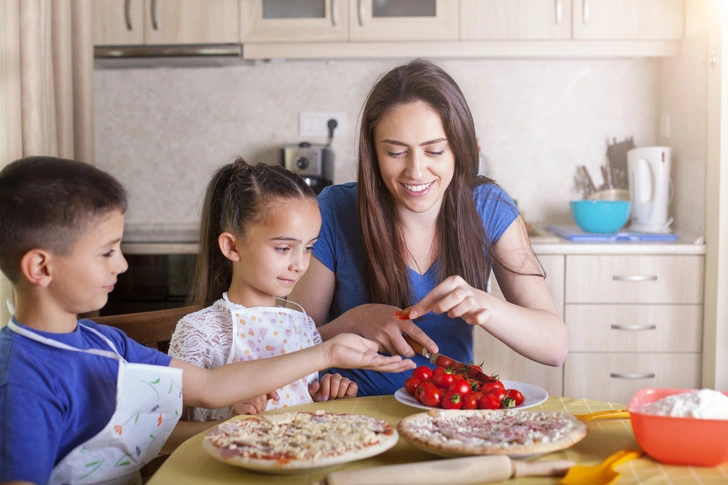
(167, 54)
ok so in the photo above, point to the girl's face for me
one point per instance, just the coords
(275, 253)
(415, 158)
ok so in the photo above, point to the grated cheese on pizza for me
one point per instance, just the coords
(297, 436)
(490, 429)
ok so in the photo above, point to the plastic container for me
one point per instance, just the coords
(600, 216)
(678, 441)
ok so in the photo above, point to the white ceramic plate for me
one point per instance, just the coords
(532, 395)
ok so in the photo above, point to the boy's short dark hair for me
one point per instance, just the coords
(48, 203)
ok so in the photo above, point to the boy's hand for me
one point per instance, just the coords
(332, 386)
(352, 351)
(255, 405)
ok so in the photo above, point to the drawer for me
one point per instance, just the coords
(634, 328)
(616, 377)
(634, 279)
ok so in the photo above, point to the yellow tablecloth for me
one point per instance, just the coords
(190, 464)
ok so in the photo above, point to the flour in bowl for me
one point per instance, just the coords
(703, 404)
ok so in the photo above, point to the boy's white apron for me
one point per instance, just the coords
(148, 405)
(261, 332)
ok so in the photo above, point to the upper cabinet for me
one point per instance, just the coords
(121, 22)
(629, 19)
(393, 20)
(302, 20)
(515, 19)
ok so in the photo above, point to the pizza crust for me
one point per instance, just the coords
(492, 432)
(298, 441)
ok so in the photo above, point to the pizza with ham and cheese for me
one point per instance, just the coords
(292, 441)
(496, 432)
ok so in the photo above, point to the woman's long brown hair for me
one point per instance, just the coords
(238, 196)
(461, 243)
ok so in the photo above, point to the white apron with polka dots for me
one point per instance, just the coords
(261, 332)
(148, 406)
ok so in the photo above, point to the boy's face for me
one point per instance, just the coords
(276, 253)
(82, 280)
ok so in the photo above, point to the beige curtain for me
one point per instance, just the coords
(46, 85)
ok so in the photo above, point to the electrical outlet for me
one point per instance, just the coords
(316, 123)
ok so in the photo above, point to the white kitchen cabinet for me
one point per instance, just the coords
(629, 19)
(408, 20)
(515, 19)
(134, 22)
(501, 359)
(286, 21)
(634, 321)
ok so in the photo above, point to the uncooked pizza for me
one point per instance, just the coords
(298, 440)
(486, 432)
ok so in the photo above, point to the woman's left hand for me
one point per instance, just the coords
(332, 386)
(457, 298)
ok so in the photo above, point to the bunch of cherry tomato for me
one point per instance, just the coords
(445, 388)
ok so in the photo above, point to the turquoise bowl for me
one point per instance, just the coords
(601, 216)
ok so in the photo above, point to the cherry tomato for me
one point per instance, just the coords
(437, 370)
(489, 401)
(460, 387)
(452, 400)
(475, 384)
(497, 392)
(516, 395)
(429, 396)
(470, 401)
(487, 386)
(423, 373)
(403, 314)
(410, 385)
(443, 361)
(459, 377)
(443, 380)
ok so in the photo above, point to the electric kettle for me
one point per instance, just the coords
(648, 172)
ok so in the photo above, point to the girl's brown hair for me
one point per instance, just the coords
(460, 241)
(238, 196)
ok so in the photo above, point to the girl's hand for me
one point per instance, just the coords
(332, 386)
(352, 351)
(457, 298)
(380, 324)
(255, 405)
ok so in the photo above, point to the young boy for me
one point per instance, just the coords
(80, 402)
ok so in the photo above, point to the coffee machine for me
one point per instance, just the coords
(650, 188)
(313, 162)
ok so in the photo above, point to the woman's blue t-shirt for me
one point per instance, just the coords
(339, 248)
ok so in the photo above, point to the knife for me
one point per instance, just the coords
(464, 471)
(444, 361)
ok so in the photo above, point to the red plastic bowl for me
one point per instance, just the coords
(678, 441)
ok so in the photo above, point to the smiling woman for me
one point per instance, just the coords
(421, 229)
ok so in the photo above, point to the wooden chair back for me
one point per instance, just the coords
(152, 329)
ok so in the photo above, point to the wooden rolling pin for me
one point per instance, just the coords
(463, 471)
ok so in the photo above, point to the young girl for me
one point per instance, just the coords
(258, 228)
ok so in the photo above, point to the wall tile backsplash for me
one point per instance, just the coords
(162, 131)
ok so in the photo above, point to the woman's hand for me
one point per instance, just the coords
(379, 323)
(255, 405)
(457, 298)
(332, 386)
(353, 351)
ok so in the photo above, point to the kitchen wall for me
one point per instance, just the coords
(162, 131)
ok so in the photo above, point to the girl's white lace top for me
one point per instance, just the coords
(204, 339)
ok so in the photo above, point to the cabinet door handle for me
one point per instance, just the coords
(586, 13)
(127, 14)
(635, 277)
(617, 375)
(635, 328)
(559, 12)
(334, 13)
(362, 12)
(153, 9)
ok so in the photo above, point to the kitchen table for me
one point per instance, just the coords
(190, 464)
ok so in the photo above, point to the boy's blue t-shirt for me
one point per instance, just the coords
(52, 400)
(339, 248)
